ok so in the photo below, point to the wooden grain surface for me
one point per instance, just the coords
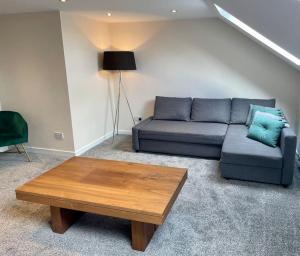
(62, 219)
(141, 234)
(131, 191)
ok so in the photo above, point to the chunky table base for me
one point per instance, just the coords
(62, 219)
(141, 234)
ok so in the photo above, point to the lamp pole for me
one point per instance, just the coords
(117, 114)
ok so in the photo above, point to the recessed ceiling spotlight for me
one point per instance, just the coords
(174, 11)
(109, 14)
(63, 1)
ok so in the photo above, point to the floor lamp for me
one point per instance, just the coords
(119, 61)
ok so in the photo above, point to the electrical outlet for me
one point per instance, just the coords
(138, 118)
(59, 135)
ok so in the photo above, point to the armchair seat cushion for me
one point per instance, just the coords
(240, 150)
(192, 132)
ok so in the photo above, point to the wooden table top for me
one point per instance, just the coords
(131, 191)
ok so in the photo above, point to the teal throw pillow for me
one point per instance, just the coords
(279, 118)
(254, 108)
(265, 129)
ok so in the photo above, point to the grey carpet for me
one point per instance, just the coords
(212, 216)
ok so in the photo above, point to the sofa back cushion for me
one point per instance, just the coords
(171, 108)
(211, 110)
(240, 108)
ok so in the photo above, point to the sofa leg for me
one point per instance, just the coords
(24, 150)
(285, 186)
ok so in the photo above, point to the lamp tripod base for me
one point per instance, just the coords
(117, 112)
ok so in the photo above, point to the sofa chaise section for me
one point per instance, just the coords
(246, 159)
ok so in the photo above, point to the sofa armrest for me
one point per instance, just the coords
(288, 143)
(135, 133)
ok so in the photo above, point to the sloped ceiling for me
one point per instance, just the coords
(278, 20)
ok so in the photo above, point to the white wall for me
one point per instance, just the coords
(33, 77)
(201, 58)
(89, 90)
(49, 71)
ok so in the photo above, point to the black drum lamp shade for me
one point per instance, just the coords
(119, 60)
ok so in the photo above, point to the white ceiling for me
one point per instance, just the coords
(122, 10)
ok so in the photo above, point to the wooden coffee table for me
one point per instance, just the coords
(143, 194)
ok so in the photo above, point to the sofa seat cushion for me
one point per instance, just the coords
(238, 149)
(180, 131)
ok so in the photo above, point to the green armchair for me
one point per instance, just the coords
(13, 130)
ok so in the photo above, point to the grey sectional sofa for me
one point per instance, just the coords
(216, 128)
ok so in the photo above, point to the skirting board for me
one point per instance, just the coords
(50, 151)
(79, 151)
(99, 141)
(93, 144)
(69, 153)
(125, 132)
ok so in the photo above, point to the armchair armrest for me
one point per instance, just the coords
(135, 133)
(19, 126)
(288, 143)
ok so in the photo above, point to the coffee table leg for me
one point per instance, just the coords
(62, 219)
(141, 234)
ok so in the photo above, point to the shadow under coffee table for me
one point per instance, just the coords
(143, 194)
